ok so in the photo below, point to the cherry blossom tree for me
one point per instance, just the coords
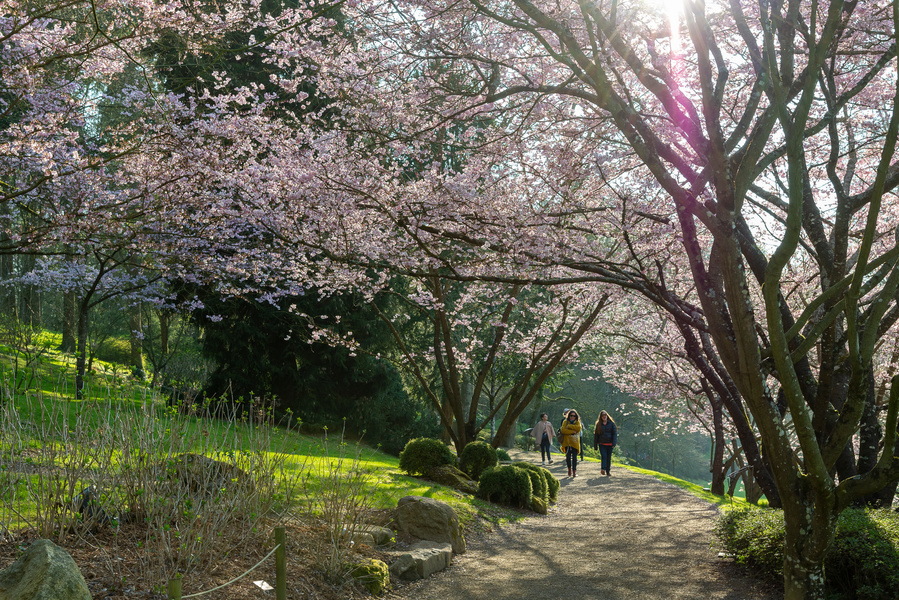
(647, 358)
(748, 148)
(731, 162)
(476, 329)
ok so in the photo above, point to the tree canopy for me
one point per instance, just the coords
(729, 164)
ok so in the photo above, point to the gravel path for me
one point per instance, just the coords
(628, 536)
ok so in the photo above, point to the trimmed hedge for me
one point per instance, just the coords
(477, 456)
(863, 561)
(542, 481)
(501, 454)
(506, 485)
(421, 455)
(538, 482)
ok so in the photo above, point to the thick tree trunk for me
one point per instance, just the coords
(808, 533)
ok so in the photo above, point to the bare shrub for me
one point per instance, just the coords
(337, 494)
(26, 352)
(198, 487)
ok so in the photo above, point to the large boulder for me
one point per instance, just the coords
(429, 519)
(422, 560)
(44, 572)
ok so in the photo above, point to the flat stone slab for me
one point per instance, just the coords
(422, 560)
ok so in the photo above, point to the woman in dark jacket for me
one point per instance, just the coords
(605, 436)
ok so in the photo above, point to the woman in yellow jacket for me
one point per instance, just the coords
(571, 441)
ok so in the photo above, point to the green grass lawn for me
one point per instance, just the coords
(695, 489)
(44, 417)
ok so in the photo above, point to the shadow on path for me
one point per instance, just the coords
(628, 536)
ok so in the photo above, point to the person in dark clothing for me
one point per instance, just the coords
(605, 437)
(543, 433)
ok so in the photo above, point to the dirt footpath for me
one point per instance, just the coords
(628, 536)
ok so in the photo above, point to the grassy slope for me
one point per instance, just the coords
(696, 490)
(44, 389)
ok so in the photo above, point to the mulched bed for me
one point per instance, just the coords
(111, 563)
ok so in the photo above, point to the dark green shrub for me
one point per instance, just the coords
(755, 537)
(423, 454)
(501, 454)
(539, 486)
(475, 457)
(862, 563)
(553, 484)
(506, 485)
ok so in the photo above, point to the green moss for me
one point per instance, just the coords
(373, 575)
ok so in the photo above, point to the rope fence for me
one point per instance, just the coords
(174, 588)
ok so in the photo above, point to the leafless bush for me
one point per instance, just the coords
(198, 487)
(337, 493)
(21, 339)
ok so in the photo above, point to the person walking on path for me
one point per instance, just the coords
(605, 436)
(543, 432)
(579, 435)
(571, 441)
(654, 541)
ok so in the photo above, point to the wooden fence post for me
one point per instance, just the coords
(280, 565)
(175, 588)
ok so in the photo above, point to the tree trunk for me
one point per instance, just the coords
(165, 319)
(808, 532)
(81, 353)
(69, 322)
(137, 357)
(7, 293)
(30, 301)
(717, 467)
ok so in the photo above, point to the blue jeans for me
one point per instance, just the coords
(571, 457)
(605, 454)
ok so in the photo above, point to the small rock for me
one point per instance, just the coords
(381, 535)
(373, 574)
